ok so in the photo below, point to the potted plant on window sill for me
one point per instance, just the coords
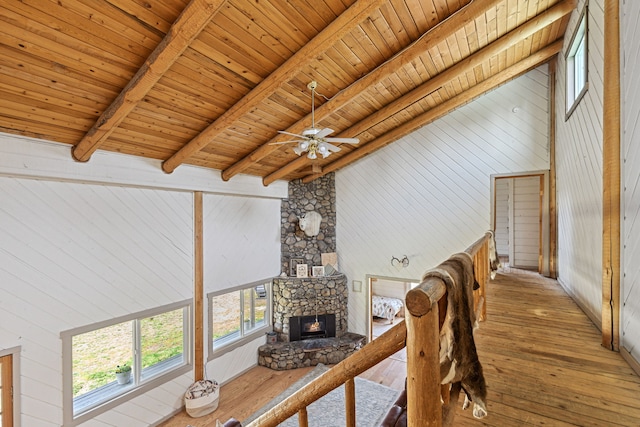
(123, 374)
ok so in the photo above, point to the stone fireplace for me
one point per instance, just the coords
(294, 296)
(302, 299)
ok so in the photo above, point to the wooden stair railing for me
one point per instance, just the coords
(368, 356)
(424, 314)
(426, 309)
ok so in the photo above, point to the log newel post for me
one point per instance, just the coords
(424, 408)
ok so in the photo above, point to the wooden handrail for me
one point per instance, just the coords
(476, 246)
(420, 332)
(368, 356)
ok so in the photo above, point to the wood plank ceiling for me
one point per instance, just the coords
(210, 82)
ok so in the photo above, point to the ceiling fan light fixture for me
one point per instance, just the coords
(315, 140)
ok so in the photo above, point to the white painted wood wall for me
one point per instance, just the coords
(241, 245)
(579, 174)
(75, 237)
(428, 195)
(630, 92)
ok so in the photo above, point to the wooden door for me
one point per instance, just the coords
(6, 391)
(502, 200)
(525, 224)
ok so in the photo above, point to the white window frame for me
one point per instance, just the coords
(576, 60)
(140, 384)
(243, 337)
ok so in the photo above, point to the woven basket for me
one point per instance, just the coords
(201, 398)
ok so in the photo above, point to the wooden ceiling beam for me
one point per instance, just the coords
(508, 40)
(327, 37)
(193, 19)
(432, 37)
(443, 109)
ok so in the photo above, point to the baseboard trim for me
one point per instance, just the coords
(592, 316)
(635, 365)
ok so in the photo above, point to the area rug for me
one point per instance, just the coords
(373, 400)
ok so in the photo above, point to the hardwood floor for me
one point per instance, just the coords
(541, 356)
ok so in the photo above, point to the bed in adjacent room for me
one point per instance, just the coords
(386, 307)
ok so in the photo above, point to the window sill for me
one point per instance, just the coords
(240, 342)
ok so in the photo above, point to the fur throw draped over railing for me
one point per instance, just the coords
(459, 361)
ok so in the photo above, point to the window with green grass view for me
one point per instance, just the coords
(109, 360)
(237, 313)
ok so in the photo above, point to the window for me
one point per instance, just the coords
(154, 344)
(238, 315)
(576, 61)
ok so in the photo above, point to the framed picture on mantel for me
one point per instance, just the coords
(302, 270)
(317, 271)
(293, 266)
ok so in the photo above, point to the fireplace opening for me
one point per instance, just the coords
(309, 327)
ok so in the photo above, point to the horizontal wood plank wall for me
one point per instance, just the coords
(630, 92)
(429, 193)
(30, 158)
(75, 254)
(241, 246)
(579, 175)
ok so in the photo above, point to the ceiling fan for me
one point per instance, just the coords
(313, 140)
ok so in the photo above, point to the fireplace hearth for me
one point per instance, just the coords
(302, 342)
(309, 327)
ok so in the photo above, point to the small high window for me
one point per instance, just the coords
(238, 315)
(576, 61)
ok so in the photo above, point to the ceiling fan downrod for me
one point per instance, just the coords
(312, 87)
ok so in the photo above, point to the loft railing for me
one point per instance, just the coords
(425, 307)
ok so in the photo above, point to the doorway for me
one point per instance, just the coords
(386, 303)
(6, 391)
(520, 218)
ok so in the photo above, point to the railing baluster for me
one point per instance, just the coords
(350, 402)
(303, 418)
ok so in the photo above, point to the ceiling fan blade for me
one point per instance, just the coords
(332, 147)
(343, 140)
(285, 142)
(323, 132)
(292, 134)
